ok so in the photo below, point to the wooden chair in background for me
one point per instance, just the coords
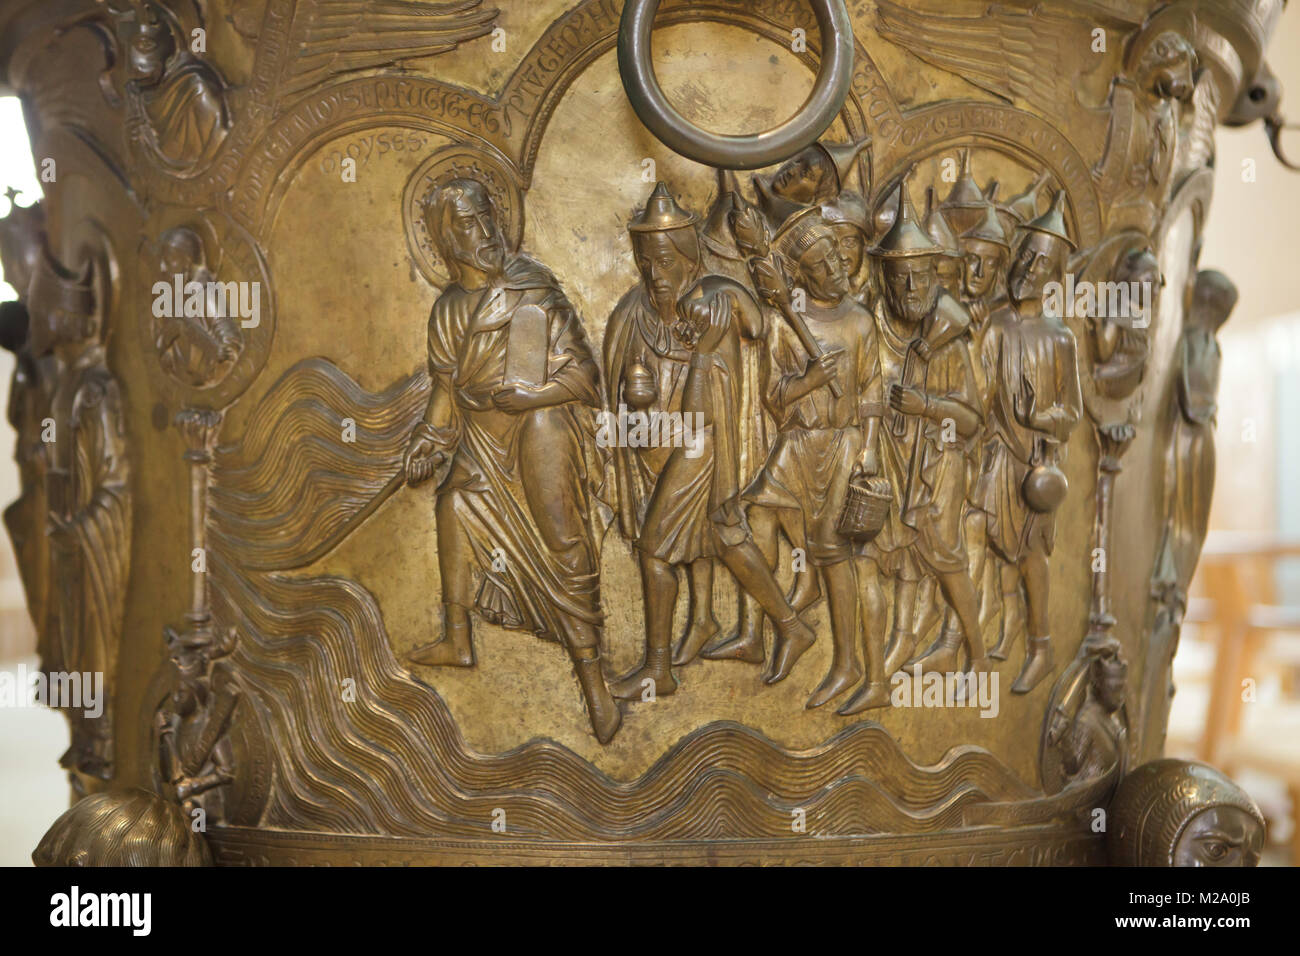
(1256, 647)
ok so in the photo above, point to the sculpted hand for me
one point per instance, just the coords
(868, 463)
(909, 401)
(516, 398)
(822, 371)
(422, 458)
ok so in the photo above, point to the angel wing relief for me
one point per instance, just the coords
(329, 37)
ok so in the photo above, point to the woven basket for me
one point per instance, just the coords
(866, 505)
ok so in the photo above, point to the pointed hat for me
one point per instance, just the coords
(905, 237)
(843, 156)
(1052, 222)
(989, 229)
(661, 213)
(965, 193)
(1025, 206)
(937, 228)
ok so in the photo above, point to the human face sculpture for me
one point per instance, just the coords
(1167, 68)
(1221, 836)
(823, 270)
(803, 178)
(147, 54)
(1110, 678)
(664, 269)
(949, 270)
(853, 246)
(181, 253)
(471, 234)
(981, 264)
(911, 287)
(1039, 260)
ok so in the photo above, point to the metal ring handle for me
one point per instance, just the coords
(749, 151)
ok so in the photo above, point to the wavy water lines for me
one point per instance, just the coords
(392, 761)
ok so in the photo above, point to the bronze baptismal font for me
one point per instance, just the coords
(622, 431)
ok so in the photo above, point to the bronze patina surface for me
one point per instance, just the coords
(446, 469)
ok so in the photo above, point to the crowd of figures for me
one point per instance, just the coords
(791, 351)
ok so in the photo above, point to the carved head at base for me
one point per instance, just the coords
(1180, 813)
(122, 828)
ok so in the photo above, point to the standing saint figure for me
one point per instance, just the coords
(1033, 402)
(512, 380)
(693, 514)
(646, 369)
(88, 497)
(927, 434)
(822, 440)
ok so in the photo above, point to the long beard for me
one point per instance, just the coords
(913, 313)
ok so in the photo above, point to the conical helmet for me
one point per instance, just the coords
(965, 193)
(937, 228)
(989, 229)
(661, 213)
(1025, 206)
(843, 156)
(905, 237)
(717, 228)
(1052, 222)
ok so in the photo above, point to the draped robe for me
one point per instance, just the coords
(518, 483)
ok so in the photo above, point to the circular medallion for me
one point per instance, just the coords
(211, 312)
(459, 161)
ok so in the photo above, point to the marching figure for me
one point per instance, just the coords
(511, 373)
(933, 417)
(694, 513)
(823, 438)
(985, 249)
(1033, 402)
(646, 371)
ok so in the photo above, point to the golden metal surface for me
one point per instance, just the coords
(334, 514)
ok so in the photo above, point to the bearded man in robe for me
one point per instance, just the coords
(513, 379)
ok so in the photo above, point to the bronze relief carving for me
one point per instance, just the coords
(72, 526)
(820, 407)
